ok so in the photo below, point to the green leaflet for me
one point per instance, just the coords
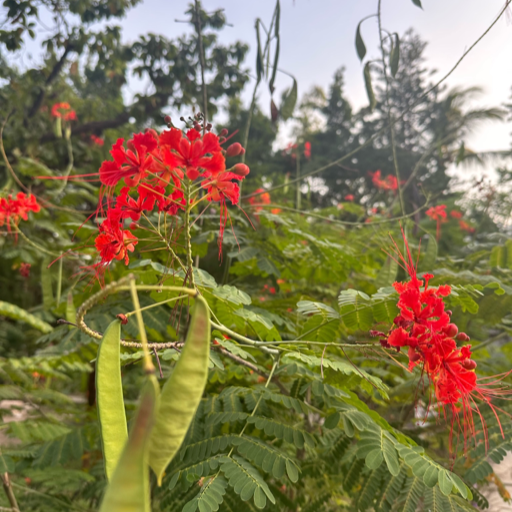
(109, 397)
(182, 392)
(12, 311)
(128, 490)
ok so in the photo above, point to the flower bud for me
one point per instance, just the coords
(449, 312)
(234, 149)
(223, 132)
(209, 126)
(167, 119)
(134, 225)
(451, 330)
(469, 364)
(123, 318)
(414, 356)
(192, 173)
(462, 336)
(241, 169)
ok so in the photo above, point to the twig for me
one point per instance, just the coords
(201, 61)
(6, 482)
(399, 118)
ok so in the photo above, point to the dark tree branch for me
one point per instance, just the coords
(51, 77)
(149, 105)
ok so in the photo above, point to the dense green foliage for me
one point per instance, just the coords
(303, 409)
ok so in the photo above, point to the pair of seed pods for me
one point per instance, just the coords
(162, 418)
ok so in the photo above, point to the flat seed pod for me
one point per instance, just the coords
(182, 392)
(109, 397)
(128, 490)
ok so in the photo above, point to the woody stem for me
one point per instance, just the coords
(188, 244)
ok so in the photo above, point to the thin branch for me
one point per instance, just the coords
(399, 118)
(6, 483)
(201, 61)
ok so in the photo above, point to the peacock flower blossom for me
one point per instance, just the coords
(388, 183)
(114, 242)
(97, 141)
(263, 197)
(437, 213)
(132, 164)
(349, 197)
(14, 210)
(456, 214)
(424, 327)
(190, 152)
(63, 111)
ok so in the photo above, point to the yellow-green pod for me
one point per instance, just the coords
(128, 490)
(13, 311)
(182, 392)
(109, 397)
(70, 309)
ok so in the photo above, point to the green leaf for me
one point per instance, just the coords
(374, 459)
(360, 46)
(445, 482)
(429, 260)
(6, 464)
(289, 101)
(430, 476)
(417, 3)
(15, 312)
(276, 53)
(369, 87)
(387, 273)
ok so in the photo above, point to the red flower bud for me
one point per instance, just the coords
(192, 173)
(167, 119)
(123, 318)
(223, 132)
(241, 169)
(469, 364)
(449, 312)
(134, 225)
(242, 151)
(414, 357)
(462, 336)
(234, 149)
(451, 330)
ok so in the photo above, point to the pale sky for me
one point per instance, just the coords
(317, 37)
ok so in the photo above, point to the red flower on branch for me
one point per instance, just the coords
(63, 111)
(25, 270)
(13, 210)
(437, 213)
(190, 152)
(388, 183)
(424, 327)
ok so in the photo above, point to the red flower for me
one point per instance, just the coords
(389, 183)
(263, 197)
(127, 207)
(307, 150)
(25, 269)
(13, 210)
(437, 213)
(466, 227)
(131, 164)
(424, 327)
(349, 197)
(456, 214)
(63, 111)
(114, 242)
(189, 153)
(98, 141)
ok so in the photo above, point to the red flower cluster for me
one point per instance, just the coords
(388, 183)
(97, 141)
(262, 198)
(437, 213)
(307, 150)
(63, 111)
(25, 270)
(13, 210)
(424, 327)
(155, 169)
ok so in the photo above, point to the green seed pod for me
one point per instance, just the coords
(109, 397)
(128, 490)
(182, 392)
